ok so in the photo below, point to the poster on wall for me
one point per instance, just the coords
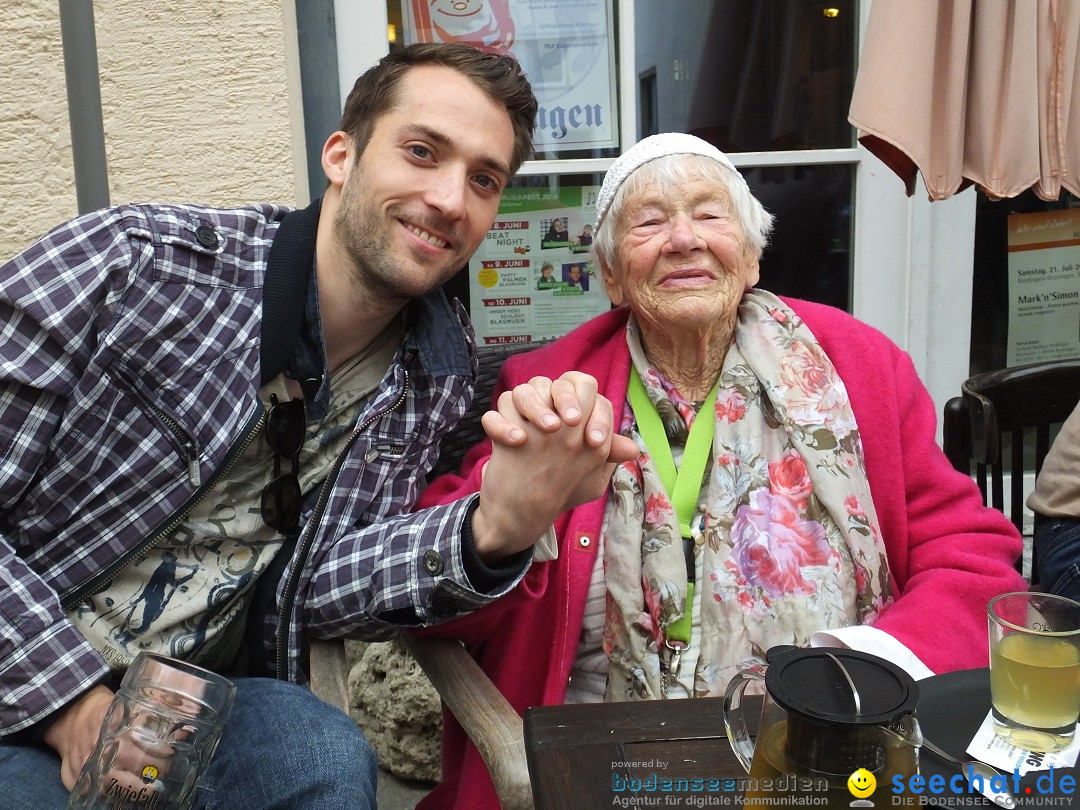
(566, 48)
(1044, 287)
(534, 278)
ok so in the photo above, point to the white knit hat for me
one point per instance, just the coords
(651, 148)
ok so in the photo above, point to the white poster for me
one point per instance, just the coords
(1044, 287)
(566, 47)
(533, 278)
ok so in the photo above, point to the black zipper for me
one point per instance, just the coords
(307, 534)
(101, 581)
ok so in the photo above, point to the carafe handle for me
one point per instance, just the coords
(734, 722)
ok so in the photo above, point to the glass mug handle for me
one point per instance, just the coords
(734, 722)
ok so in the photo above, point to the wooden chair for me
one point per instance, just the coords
(1015, 406)
(492, 724)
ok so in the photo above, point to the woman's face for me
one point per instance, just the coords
(681, 258)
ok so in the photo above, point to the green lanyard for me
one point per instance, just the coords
(682, 485)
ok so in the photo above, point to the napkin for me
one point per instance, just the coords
(876, 642)
(988, 747)
(547, 547)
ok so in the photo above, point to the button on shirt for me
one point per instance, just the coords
(433, 562)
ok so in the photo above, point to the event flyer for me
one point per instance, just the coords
(533, 277)
(1044, 287)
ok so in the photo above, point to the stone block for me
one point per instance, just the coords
(397, 708)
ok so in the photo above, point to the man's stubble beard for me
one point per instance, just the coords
(376, 273)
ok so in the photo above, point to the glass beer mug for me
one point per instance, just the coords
(156, 739)
(827, 716)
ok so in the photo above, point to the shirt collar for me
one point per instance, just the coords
(308, 364)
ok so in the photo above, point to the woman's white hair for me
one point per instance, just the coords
(670, 161)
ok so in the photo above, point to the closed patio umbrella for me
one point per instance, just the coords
(973, 91)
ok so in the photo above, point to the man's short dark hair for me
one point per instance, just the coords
(499, 77)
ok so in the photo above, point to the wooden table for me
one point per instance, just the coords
(580, 756)
(583, 757)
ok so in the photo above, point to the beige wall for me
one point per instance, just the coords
(35, 155)
(200, 104)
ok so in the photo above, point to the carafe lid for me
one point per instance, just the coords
(809, 683)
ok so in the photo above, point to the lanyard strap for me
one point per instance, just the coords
(682, 485)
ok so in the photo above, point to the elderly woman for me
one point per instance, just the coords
(789, 481)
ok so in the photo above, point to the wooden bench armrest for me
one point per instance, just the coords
(483, 712)
(487, 717)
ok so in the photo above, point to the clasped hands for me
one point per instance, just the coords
(554, 447)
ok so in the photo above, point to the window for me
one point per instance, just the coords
(772, 79)
(647, 103)
(771, 76)
(992, 300)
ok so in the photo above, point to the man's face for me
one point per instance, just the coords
(417, 203)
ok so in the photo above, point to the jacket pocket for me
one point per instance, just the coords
(184, 442)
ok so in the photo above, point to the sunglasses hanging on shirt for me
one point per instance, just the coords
(281, 498)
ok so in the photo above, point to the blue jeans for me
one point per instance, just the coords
(282, 748)
(1057, 556)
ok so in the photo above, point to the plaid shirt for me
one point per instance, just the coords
(129, 369)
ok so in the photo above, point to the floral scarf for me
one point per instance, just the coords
(785, 532)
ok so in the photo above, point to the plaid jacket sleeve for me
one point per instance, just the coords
(55, 300)
(406, 571)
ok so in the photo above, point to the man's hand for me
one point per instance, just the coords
(75, 733)
(548, 458)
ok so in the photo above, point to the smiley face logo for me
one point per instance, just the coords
(861, 783)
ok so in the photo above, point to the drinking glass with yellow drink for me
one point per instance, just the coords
(1035, 669)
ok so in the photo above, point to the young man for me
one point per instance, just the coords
(212, 422)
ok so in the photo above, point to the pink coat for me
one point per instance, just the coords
(948, 554)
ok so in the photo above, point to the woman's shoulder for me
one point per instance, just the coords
(832, 325)
(864, 356)
(586, 348)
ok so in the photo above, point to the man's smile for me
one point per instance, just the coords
(426, 236)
